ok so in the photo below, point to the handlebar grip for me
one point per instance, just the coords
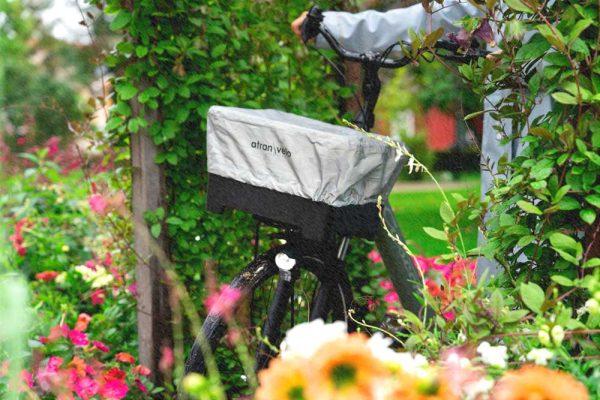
(310, 26)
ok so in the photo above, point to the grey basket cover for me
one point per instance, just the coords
(300, 156)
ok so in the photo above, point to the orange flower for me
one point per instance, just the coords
(83, 320)
(411, 387)
(125, 358)
(283, 380)
(533, 382)
(345, 370)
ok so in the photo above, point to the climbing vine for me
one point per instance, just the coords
(176, 59)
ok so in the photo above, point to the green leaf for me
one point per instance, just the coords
(514, 316)
(528, 207)
(525, 240)
(155, 230)
(564, 98)
(126, 91)
(121, 20)
(593, 199)
(562, 241)
(592, 262)
(446, 212)
(141, 51)
(579, 27)
(587, 215)
(562, 280)
(554, 36)
(532, 295)
(535, 48)
(218, 50)
(474, 114)
(435, 233)
(518, 5)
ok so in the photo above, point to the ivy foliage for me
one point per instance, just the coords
(179, 58)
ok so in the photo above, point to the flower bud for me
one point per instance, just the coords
(544, 337)
(558, 334)
(593, 306)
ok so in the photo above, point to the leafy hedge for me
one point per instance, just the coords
(182, 57)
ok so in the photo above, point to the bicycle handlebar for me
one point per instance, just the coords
(313, 26)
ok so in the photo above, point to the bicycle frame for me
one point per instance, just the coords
(399, 264)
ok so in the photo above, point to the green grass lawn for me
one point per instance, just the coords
(417, 209)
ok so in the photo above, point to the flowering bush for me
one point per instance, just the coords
(69, 362)
(78, 264)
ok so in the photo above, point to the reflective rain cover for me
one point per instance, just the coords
(300, 156)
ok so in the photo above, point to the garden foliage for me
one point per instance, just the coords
(180, 58)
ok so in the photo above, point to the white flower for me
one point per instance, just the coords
(99, 277)
(494, 356)
(303, 340)
(544, 337)
(87, 274)
(540, 356)
(475, 390)
(558, 334)
(592, 306)
(102, 280)
(380, 348)
(60, 278)
(457, 360)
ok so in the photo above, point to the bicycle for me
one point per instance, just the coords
(316, 233)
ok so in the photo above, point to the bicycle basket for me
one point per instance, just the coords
(322, 163)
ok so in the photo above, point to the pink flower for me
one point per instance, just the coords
(424, 263)
(48, 376)
(83, 320)
(449, 315)
(98, 203)
(115, 373)
(371, 304)
(166, 360)
(223, 301)
(98, 296)
(52, 146)
(101, 346)
(27, 378)
(57, 332)
(141, 370)
(46, 276)
(386, 284)
(391, 298)
(107, 260)
(125, 358)
(141, 386)
(132, 289)
(86, 387)
(21, 140)
(457, 373)
(114, 389)
(374, 256)
(78, 338)
(4, 368)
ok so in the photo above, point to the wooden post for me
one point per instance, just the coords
(149, 193)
